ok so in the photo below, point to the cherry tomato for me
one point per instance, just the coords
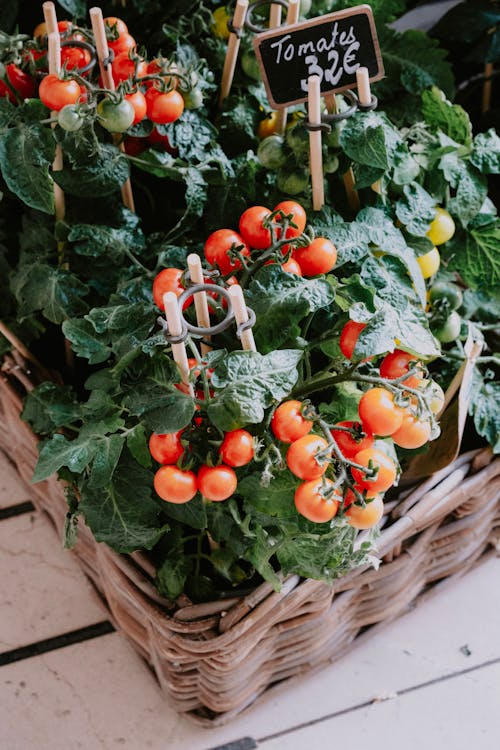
(115, 117)
(396, 364)
(442, 228)
(448, 330)
(413, 432)
(160, 67)
(349, 337)
(166, 448)
(218, 245)
(378, 413)
(434, 394)
(124, 44)
(237, 448)
(318, 257)
(291, 266)
(124, 67)
(298, 215)
(116, 24)
(20, 81)
(174, 485)
(157, 139)
(164, 108)
(74, 57)
(138, 102)
(271, 153)
(386, 475)
(429, 263)
(70, 118)
(267, 126)
(217, 483)
(287, 422)
(348, 443)
(301, 457)
(445, 290)
(311, 502)
(168, 280)
(250, 66)
(365, 518)
(41, 29)
(56, 93)
(220, 18)
(251, 227)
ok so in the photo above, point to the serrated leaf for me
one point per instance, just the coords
(124, 515)
(49, 406)
(85, 342)
(273, 500)
(323, 556)
(475, 256)
(137, 444)
(484, 408)
(280, 301)
(59, 451)
(470, 187)
(99, 176)
(58, 293)
(441, 114)
(161, 406)
(192, 514)
(416, 210)
(485, 154)
(26, 155)
(106, 459)
(246, 383)
(93, 240)
(171, 575)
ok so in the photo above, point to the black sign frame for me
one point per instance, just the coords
(326, 38)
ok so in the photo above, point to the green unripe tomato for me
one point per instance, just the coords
(70, 118)
(333, 138)
(297, 139)
(117, 118)
(292, 182)
(330, 164)
(250, 65)
(445, 290)
(449, 330)
(271, 152)
(305, 7)
(193, 99)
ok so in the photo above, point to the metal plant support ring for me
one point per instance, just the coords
(218, 327)
(90, 49)
(249, 24)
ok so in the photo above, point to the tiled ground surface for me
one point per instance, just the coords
(430, 679)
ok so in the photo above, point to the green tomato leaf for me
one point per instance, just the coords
(486, 152)
(49, 406)
(274, 500)
(137, 444)
(470, 187)
(161, 406)
(280, 301)
(171, 575)
(475, 256)
(416, 210)
(56, 292)
(106, 459)
(123, 514)
(192, 514)
(484, 408)
(323, 556)
(85, 342)
(26, 155)
(59, 451)
(246, 383)
(101, 174)
(441, 114)
(92, 240)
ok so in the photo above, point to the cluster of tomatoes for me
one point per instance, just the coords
(157, 90)
(215, 483)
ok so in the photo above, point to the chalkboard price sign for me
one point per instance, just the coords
(332, 46)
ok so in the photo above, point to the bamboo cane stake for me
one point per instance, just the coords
(233, 46)
(105, 67)
(200, 298)
(348, 177)
(315, 153)
(241, 316)
(292, 16)
(175, 329)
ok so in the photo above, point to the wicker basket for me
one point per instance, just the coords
(215, 659)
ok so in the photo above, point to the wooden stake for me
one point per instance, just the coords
(348, 177)
(175, 329)
(241, 316)
(315, 154)
(200, 298)
(486, 100)
(102, 49)
(50, 17)
(292, 16)
(233, 46)
(363, 84)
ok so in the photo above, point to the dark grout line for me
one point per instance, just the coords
(59, 641)
(404, 691)
(246, 743)
(16, 510)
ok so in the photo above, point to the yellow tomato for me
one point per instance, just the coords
(429, 263)
(365, 518)
(442, 228)
(220, 18)
(267, 126)
(40, 30)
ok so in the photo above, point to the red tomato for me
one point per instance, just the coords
(157, 139)
(365, 518)
(349, 336)
(56, 93)
(124, 67)
(166, 448)
(386, 476)
(168, 280)
(311, 502)
(117, 24)
(291, 266)
(251, 229)
(164, 108)
(217, 247)
(348, 444)
(298, 217)
(287, 422)
(413, 432)
(21, 82)
(156, 68)
(74, 57)
(378, 413)
(138, 101)
(318, 257)
(174, 485)
(301, 457)
(134, 146)
(237, 448)
(396, 364)
(124, 44)
(217, 483)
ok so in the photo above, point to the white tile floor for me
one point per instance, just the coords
(431, 679)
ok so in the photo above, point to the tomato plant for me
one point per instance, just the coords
(366, 517)
(164, 108)
(442, 227)
(397, 363)
(350, 438)
(166, 449)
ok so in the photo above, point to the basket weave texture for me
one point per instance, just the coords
(214, 659)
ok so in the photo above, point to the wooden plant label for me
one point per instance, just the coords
(332, 47)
